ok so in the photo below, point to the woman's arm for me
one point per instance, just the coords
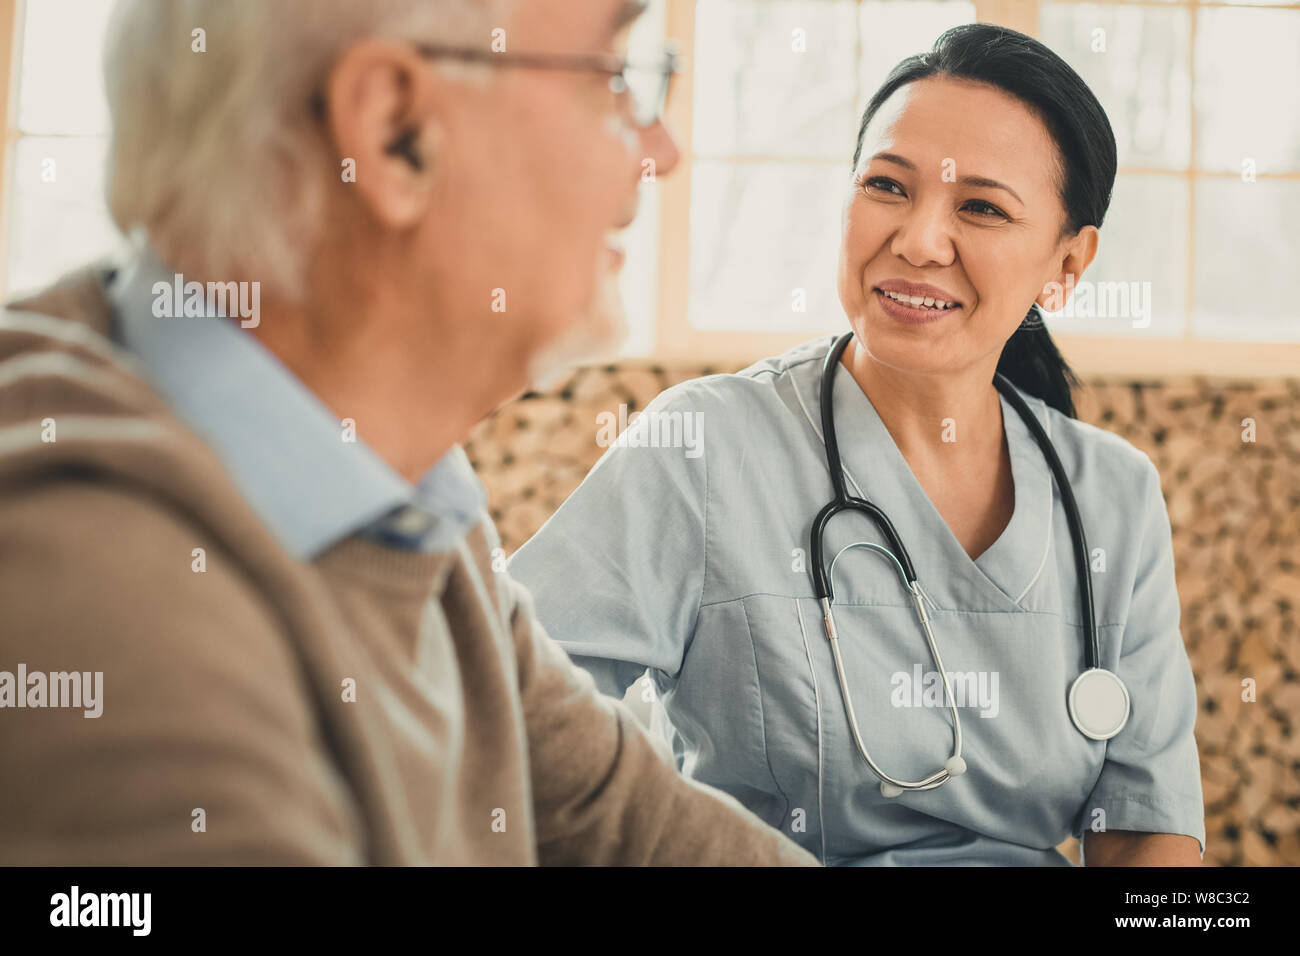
(1147, 798)
(617, 571)
(1130, 848)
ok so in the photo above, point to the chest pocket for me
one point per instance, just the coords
(1007, 674)
(744, 711)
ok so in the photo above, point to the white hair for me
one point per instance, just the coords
(218, 153)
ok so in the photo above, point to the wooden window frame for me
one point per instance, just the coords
(10, 57)
(676, 340)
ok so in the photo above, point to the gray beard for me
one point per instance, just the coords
(597, 334)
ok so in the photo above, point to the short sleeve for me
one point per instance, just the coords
(617, 572)
(1151, 781)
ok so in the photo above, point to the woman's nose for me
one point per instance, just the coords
(658, 144)
(923, 238)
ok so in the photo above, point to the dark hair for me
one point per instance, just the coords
(1029, 71)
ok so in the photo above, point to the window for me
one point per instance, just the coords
(1205, 102)
(733, 255)
(54, 213)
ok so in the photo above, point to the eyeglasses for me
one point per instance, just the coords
(642, 87)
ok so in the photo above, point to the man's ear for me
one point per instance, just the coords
(382, 109)
(1078, 253)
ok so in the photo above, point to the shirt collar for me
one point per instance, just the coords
(282, 446)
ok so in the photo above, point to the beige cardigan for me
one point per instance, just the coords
(372, 706)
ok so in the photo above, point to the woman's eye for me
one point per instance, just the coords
(882, 183)
(981, 208)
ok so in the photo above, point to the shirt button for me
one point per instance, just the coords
(412, 521)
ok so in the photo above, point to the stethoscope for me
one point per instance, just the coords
(1098, 701)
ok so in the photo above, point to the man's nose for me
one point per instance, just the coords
(658, 144)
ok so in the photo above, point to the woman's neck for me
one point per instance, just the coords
(955, 415)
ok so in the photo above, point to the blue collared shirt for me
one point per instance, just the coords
(283, 448)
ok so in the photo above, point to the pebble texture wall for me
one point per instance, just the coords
(1229, 457)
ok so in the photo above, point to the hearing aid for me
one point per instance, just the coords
(404, 146)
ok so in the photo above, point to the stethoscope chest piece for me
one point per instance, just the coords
(1099, 703)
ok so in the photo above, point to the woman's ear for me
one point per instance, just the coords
(382, 102)
(1077, 254)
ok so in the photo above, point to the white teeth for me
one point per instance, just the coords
(920, 302)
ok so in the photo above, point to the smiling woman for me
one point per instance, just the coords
(1021, 218)
(982, 174)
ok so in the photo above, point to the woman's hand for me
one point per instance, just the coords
(1131, 848)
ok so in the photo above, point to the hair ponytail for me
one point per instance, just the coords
(1032, 362)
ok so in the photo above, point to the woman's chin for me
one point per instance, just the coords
(904, 350)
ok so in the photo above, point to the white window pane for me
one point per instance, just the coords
(1135, 61)
(759, 233)
(892, 30)
(62, 89)
(1248, 89)
(1138, 286)
(639, 277)
(774, 79)
(1247, 283)
(61, 224)
(647, 36)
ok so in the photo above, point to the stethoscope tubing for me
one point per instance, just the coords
(897, 552)
(1081, 564)
(845, 502)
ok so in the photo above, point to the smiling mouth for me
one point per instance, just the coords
(921, 303)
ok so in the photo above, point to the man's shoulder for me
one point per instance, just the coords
(199, 686)
(77, 298)
(116, 552)
(110, 578)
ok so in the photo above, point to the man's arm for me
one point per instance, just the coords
(206, 750)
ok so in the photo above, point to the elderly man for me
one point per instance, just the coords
(234, 516)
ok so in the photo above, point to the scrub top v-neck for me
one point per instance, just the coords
(690, 559)
(876, 469)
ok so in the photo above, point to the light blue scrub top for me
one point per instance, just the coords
(692, 562)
